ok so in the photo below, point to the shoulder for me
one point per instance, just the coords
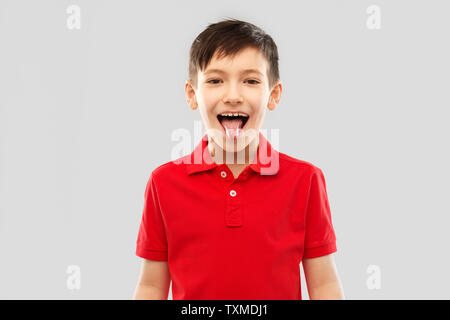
(170, 169)
(290, 163)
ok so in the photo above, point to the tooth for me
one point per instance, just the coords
(230, 114)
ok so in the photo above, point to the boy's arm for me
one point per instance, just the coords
(154, 281)
(322, 278)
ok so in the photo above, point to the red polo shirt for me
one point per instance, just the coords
(243, 238)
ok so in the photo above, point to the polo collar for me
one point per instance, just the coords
(265, 163)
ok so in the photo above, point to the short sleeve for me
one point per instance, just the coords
(320, 238)
(151, 241)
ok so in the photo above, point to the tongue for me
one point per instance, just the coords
(232, 127)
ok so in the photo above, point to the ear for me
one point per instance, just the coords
(190, 95)
(275, 95)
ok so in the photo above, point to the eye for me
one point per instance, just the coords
(251, 81)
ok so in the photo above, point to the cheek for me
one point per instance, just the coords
(257, 119)
(205, 104)
(259, 106)
(256, 94)
(257, 99)
(210, 101)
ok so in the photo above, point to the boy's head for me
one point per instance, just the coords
(219, 81)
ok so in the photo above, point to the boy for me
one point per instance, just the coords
(225, 230)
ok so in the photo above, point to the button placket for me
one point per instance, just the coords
(233, 213)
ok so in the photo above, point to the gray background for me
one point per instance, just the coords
(86, 115)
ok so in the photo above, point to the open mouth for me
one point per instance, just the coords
(232, 122)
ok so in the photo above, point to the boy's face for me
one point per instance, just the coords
(225, 86)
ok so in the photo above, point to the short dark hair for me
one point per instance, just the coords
(228, 37)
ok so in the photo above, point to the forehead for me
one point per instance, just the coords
(247, 60)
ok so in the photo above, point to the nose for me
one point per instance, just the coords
(233, 96)
(233, 100)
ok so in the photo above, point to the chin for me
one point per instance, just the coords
(229, 145)
(238, 144)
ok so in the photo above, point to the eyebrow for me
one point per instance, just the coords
(243, 71)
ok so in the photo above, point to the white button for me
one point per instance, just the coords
(232, 193)
(223, 174)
